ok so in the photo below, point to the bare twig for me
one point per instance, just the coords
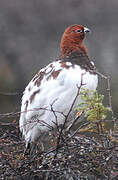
(109, 95)
(14, 114)
(107, 78)
(67, 116)
(10, 93)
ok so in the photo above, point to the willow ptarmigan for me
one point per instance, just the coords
(56, 85)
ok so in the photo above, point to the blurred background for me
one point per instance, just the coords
(30, 33)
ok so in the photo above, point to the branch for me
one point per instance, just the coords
(66, 118)
(10, 93)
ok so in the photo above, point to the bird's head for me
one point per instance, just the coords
(72, 39)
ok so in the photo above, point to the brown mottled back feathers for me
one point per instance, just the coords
(81, 59)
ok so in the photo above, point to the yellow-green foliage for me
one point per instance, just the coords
(92, 103)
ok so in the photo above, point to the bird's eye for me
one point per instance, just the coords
(79, 31)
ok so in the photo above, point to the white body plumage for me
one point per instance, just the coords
(55, 84)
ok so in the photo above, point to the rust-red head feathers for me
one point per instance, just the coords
(72, 40)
